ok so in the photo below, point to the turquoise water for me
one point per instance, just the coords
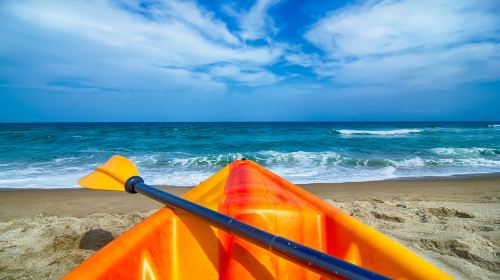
(56, 155)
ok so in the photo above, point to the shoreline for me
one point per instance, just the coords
(73, 201)
(452, 222)
(465, 176)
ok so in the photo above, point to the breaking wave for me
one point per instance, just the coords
(183, 169)
(56, 156)
(467, 152)
(377, 132)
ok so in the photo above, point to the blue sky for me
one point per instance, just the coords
(264, 60)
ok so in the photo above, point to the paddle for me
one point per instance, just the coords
(120, 174)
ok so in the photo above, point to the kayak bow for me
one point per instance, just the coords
(229, 226)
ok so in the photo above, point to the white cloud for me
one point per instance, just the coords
(297, 57)
(192, 14)
(252, 77)
(442, 69)
(178, 45)
(410, 43)
(165, 42)
(255, 23)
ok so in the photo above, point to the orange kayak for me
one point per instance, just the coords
(177, 245)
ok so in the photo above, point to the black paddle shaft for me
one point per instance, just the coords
(309, 258)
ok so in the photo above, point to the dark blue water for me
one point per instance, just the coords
(56, 155)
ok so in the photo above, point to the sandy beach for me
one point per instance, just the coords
(387, 110)
(452, 222)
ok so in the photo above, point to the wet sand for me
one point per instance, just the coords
(454, 223)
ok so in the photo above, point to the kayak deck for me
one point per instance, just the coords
(175, 245)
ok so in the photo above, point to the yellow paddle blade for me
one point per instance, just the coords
(110, 176)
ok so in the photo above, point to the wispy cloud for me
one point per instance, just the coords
(163, 42)
(292, 60)
(256, 23)
(187, 12)
(410, 43)
(253, 77)
(178, 45)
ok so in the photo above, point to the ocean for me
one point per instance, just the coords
(184, 154)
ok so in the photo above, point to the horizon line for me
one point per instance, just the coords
(321, 121)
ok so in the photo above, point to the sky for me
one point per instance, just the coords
(264, 60)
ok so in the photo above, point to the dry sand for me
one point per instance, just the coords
(454, 223)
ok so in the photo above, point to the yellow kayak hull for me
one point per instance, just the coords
(176, 245)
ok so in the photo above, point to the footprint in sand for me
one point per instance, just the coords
(443, 212)
(357, 213)
(382, 216)
(63, 242)
(474, 249)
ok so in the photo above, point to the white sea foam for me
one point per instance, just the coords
(494, 125)
(176, 178)
(182, 169)
(408, 163)
(378, 132)
(214, 160)
(307, 175)
(299, 157)
(43, 181)
(219, 160)
(475, 162)
(466, 152)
